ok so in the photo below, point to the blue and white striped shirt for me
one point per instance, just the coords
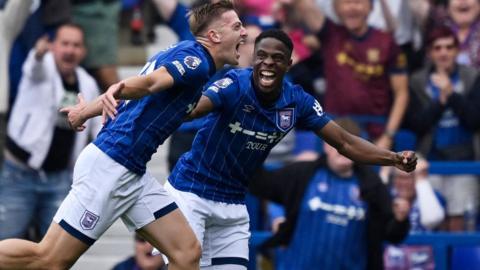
(142, 125)
(237, 137)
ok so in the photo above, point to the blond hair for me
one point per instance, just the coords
(201, 17)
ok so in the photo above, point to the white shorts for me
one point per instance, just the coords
(222, 229)
(103, 191)
(458, 190)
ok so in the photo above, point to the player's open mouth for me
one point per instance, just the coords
(267, 78)
(237, 52)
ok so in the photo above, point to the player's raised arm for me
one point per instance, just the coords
(136, 87)
(363, 151)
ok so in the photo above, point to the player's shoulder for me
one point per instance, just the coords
(294, 92)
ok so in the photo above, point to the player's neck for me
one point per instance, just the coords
(211, 50)
(267, 99)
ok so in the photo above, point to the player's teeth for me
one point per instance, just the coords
(267, 73)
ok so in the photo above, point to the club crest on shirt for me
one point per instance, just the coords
(285, 119)
(192, 62)
(373, 55)
(89, 220)
(223, 83)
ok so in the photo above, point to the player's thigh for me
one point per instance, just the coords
(18, 201)
(156, 216)
(102, 191)
(194, 209)
(61, 248)
(170, 234)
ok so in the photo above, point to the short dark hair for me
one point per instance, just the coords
(441, 31)
(70, 25)
(199, 18)
(278, 35)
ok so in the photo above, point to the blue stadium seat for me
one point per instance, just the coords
(465, 258)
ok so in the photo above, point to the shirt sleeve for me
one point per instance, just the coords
(187, 68)
(222, 91)
(397, 60)
(312, 116)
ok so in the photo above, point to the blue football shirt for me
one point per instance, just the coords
(331, 231)
(142, 125)
(237, 137)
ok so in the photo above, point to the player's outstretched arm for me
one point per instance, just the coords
(360, 150)
(204, 106)
(136, 87)
(82, 111)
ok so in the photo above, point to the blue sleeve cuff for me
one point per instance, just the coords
(214, 97)
(173, 71)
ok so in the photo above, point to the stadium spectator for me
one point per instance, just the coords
(365, 70)
(463, 17)
(45, 17)
(41, 147)
(174, 14)
(13, 15)
(426, 214)
(444, 113)
(100, 21)
(335, 209)
(172, 81)
(142, 259)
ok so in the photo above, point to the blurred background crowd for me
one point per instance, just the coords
(404, 74)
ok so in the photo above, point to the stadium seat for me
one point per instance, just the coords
(465, 258)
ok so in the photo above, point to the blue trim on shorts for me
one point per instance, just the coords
(230, 260)
(165, 210)
(76, 233)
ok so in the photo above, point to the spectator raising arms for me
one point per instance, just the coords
(365, 70)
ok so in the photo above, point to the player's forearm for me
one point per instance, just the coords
(362, 151)
(135, 88)
(140, 86)
(92, 109)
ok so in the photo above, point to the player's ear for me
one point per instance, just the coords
(214, 36)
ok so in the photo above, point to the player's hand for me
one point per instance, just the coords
(406, 161)
(401, 208)
(110, 102)
(74, 113)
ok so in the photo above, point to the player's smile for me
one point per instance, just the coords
(271, 62)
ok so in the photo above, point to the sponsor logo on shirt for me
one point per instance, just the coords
(317, 108)
(192, 62)
(223, 83)
(179, 67)
(269, 137)
(351, 212)
(248, 108)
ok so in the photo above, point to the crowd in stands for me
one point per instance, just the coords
(407, 72)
